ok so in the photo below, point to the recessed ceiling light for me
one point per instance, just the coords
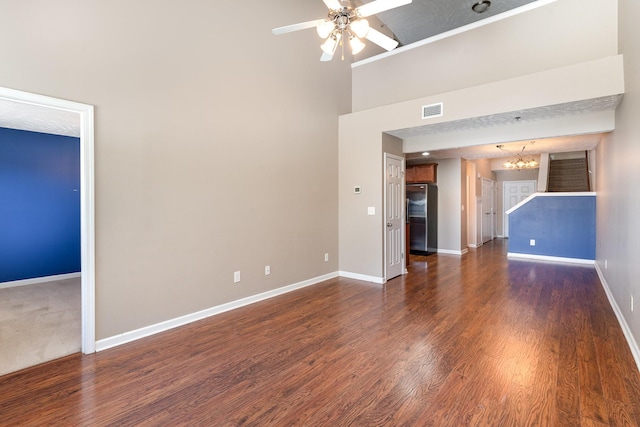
(481, 6)
(426, 153)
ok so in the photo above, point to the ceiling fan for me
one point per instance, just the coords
(345, 22)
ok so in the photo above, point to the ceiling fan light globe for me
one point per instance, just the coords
(325, 28)
(360, 27)
(329, 45)
(356, 45)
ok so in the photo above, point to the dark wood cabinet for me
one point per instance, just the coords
(422, 174)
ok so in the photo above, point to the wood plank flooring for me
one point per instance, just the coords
(473, 340)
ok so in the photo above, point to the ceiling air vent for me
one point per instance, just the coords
(433, 110)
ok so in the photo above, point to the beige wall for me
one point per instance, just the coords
(216, 143)
(361, 131)
(361, 163)
(483, 167)
(618, 201)
(561, 33)
(451, 198)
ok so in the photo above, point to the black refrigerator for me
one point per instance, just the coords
(422, 216)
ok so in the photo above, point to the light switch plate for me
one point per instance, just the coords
(371, 210)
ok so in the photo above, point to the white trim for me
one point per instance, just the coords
(456, 31)
(534, 195)
(516, 255)
(453, 252)
(363, 277)
(45, 279)
(87, 205)
(626, 330)
(146, 331)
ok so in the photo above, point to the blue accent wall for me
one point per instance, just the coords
(39, 205)
(562, 226)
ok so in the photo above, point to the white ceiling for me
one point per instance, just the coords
(24, 116)
(547, 145)
(533, 114)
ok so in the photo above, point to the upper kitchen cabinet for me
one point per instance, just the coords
(421, 174)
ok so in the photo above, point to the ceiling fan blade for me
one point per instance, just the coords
(381, 40)
(378, 6)
(333, 4)
(326, 57)
(329, 47)
(296, 27)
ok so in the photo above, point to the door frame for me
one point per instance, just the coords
(490, 200)
(87, 201)
(403, 233)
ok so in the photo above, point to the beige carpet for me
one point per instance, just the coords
(38, 323)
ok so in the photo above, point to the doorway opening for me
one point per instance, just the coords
(87, 209)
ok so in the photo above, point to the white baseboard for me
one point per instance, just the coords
(530, 257)
(633, 345)
(146, 331)
(356, 276)
(453, 252)
(35, 280)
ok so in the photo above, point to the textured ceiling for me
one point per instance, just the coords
(541, 113)
(422, 19)
(547, 145)
(23, 116)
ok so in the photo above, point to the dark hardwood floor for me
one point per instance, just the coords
(472, 340)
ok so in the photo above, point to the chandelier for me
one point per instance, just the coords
(520, 161)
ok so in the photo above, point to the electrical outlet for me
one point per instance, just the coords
(326, 257)
(532, 242)
(606, 264)
(267, 270)
(236, 276)
(632, 303)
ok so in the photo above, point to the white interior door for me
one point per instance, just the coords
(513, 193)
(494, 209)
(394, 215)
